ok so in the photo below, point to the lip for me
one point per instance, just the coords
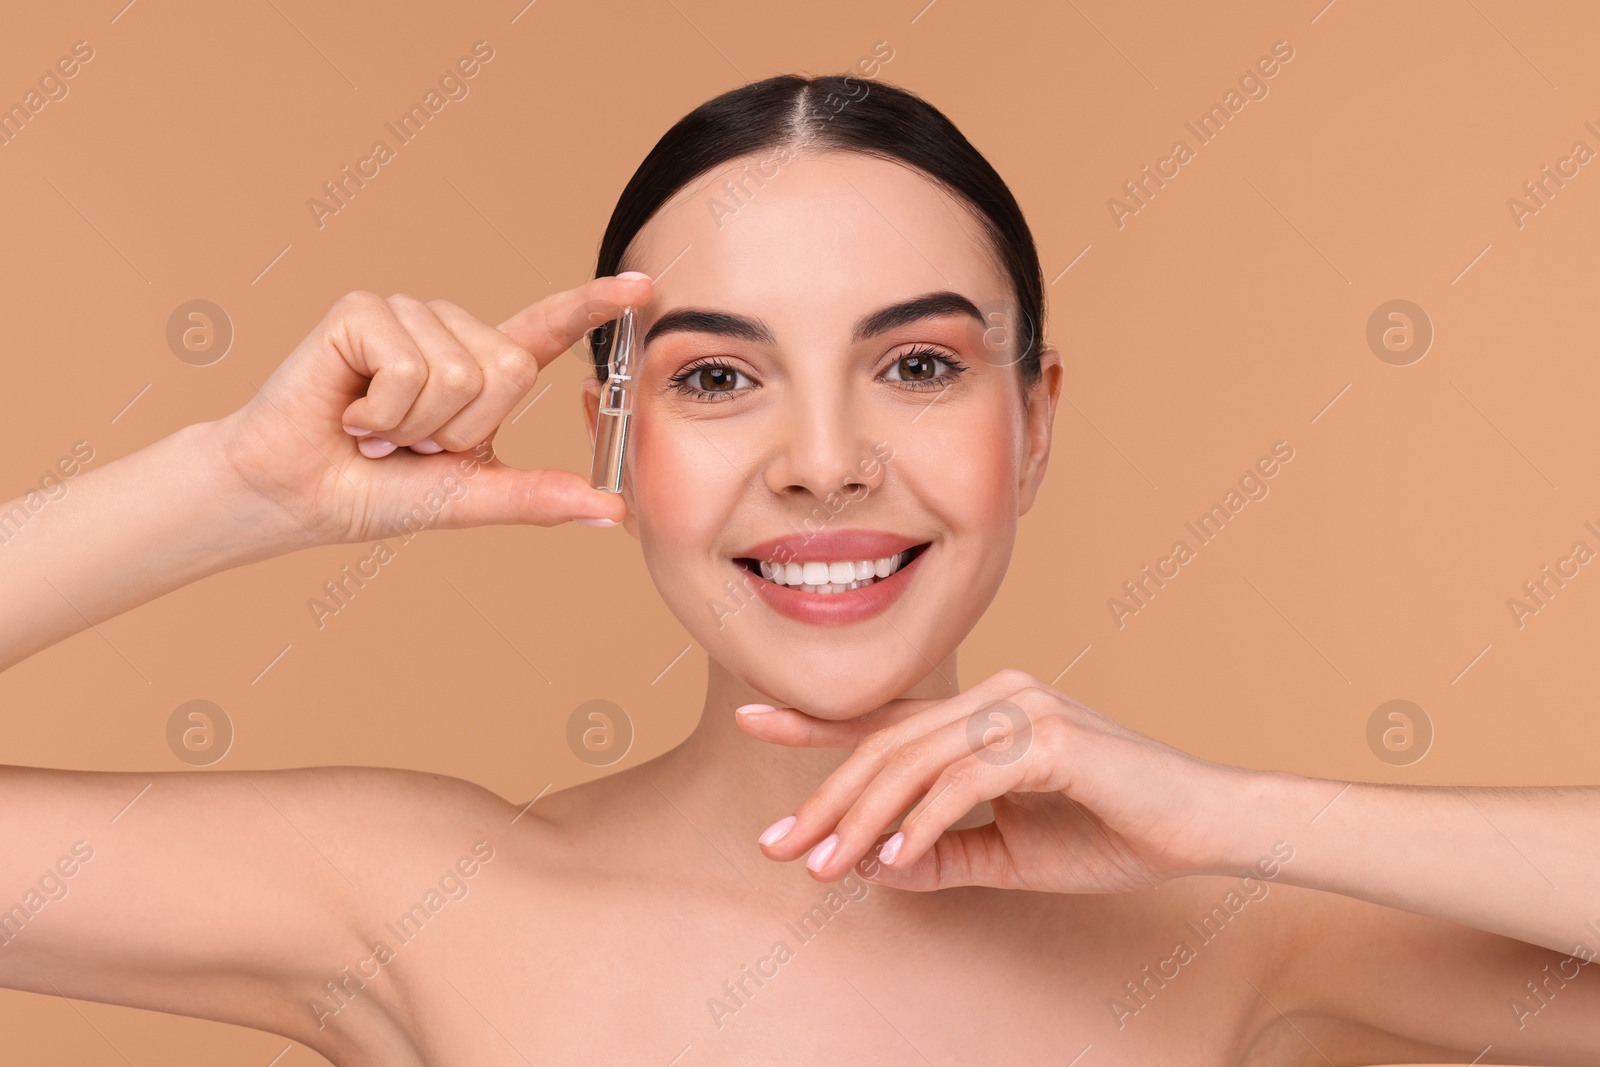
(839, 609)
(829, 546)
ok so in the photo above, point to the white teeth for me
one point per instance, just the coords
(815, 576)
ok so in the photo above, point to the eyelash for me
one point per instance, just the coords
(680, 381)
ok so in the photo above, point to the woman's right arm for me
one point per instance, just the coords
(245, 896)
(282, 473)
(249, 897)
(140, 526)
(164, 891)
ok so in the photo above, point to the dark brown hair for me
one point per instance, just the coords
(841, 113)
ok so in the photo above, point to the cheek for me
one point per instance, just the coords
(683, 491)
(970, 473)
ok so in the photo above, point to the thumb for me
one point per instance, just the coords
(496, 494)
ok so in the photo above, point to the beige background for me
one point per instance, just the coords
(1228, 314)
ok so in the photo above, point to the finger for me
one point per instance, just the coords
(944, 764)
(509, 372)
(376, 346)
(974, 856)
(856, 802)
(965, 784)
(454, 376)
(981, 719)
(556, 323)
(792, 727)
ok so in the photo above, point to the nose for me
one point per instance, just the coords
(825, 445)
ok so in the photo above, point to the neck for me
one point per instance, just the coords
(734, 786)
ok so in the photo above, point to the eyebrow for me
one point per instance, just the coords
(726, 324)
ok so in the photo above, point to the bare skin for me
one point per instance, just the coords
(637, 918)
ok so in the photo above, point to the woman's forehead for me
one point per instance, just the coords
(833, 234)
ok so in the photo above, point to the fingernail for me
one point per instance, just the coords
(427, 446)
(891, 848)
(822, 852)
(632, 276)
(375, 447)
(777, 830)
(598, 522)
(753, 709)
(356, 431)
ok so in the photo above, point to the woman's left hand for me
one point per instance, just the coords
(1081, 804)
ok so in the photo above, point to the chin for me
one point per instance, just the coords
(838, 694)
(837, 672)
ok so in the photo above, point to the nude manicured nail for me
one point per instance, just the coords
(375, 447)
(753, 709)
(356, 431)
(631, 275)
(777, 830)
(427, 446)
(891, 848)
(823, 852)
(598, 522)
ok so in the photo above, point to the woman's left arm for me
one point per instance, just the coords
(1523, 862)
(1083, 804)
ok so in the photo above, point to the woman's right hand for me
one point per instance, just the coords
(420, 377)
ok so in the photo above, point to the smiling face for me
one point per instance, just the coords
(830, 444)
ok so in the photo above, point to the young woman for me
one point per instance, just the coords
(845, 408)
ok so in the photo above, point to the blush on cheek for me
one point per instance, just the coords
(683, 495)
(994, 470)
(971, 468)
(679, 480)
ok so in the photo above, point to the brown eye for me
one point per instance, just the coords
(715, 379)
(917, 368)
(708, 381)
(925, 368)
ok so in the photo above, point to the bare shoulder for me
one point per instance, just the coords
(387, 822)
(1276, 973)
(408, 848)
(1357, 978)
(386, 797)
